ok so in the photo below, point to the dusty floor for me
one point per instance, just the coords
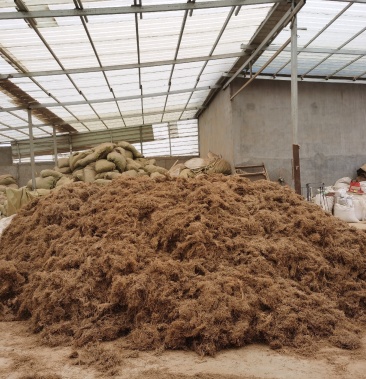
(23, 357)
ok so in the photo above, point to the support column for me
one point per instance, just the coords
(141, 145)
(31, 149)
(170, 140)
(295, 107)
(55, 145)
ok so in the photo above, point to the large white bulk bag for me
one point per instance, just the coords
(345, 213)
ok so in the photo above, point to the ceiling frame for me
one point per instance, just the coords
(134, 9)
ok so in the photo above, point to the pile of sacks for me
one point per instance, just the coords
(213, 164)
(344, 204)
(6, 181)
(100, 165)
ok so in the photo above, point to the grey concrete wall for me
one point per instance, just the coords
(332, 129)
(215, 128)
(5, 155)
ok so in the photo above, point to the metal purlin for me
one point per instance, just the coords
(20, 68)
(139, 58)
(25, 120)
(127, 66)
(359, 76)
(343, 67)
(335, 18)
(339, 48)
(12, 128)
(175, 57)
(79, 5)
(285, 19)
(39, 34)
(12, 138)
(112, 118)
(210, 54)
(83, 102)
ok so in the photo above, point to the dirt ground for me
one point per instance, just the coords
(23, 357)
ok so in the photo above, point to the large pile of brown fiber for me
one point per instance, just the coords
(203, 264)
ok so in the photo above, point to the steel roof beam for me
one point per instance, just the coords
(222, 30)
(275, 13)
(312, 50)
(19, 67)
(83, 21)
(139, 57)
(111, 118)
(317, 34)
(175, 58)
(109, 100)
(131, 9)
(343, 67)
(339, 48)
(313, 78)
(359, 76)
(50, 50)
(119, 67)
(276, 29)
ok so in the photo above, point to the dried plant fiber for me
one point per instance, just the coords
(203, 263)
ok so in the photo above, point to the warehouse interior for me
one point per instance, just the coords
(134, 139)
(163, 75)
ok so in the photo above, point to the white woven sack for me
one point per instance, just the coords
(345, 213)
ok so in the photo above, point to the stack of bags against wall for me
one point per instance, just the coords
(6, 181)
(325, 199)
(213, 164)
(106, 162)
(348, 207)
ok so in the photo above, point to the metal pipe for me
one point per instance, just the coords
(170, 140)
(131, 9)
(343, 67)
(55, 145)
(222, 30)
(317, 35)
(100, 64)
(175, 57)
(141, 147)
(139, 60)
(50, 105)
(339, 48)
(31, 150)
(280, 24)
(295, 107)
(128, 66)
(261, 69)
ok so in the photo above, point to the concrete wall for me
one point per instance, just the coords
(332, 128)
(216, 128)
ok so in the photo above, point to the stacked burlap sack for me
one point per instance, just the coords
(213, 164)
(6, 181)
(100, 165)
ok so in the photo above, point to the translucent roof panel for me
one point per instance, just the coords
(241, 28)
(159, 35)
(327, 32)
(118, 70)
(155, 79)
(124, 82)
(110, 41)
